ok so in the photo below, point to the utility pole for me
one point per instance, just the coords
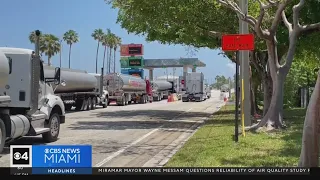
(167, 73)
(60, 51)
(244, 70)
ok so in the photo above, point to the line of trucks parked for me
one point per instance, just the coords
(34, 96)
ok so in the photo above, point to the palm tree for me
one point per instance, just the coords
(117, 43)
(97, 35)
(111, 45)
(52, 46)
(71, 37)
(105, 44)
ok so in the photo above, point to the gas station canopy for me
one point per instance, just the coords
(179, 62)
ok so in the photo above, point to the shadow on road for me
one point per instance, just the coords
(154, 114)
(122, 125)
(143, 119)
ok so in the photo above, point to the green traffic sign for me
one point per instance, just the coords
(135, 62)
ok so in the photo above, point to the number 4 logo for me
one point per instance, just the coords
(20, 156)
(25, 156)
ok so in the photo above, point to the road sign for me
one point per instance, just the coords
(135, 62)
(237, 42)
(131, 50)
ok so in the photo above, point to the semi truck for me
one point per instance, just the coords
(176, 84)
(28, 105)
(82, 90)
(125, 89)
(195, 87)
(161, 89)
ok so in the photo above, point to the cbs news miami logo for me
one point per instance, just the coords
(41, 156)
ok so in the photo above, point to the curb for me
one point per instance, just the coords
(179, 146)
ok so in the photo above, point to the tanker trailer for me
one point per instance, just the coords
(80, 88)
(161, 89)
(125, 89)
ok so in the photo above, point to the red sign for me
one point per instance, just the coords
(131, 50)
(124, 49)
(182, 81)
(237, 42)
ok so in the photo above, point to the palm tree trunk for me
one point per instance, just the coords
(49, 61)
(97, 57)
(107, 69)
(114, 60)
(69, 55)
(104, 56)
(110, 50)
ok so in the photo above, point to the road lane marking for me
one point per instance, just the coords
(109, 158)
(104, 161)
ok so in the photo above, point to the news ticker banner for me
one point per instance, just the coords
(77, 159)
(163, 171)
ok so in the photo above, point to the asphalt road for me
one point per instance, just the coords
(131, 136)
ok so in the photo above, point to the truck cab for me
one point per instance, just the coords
(33, 109)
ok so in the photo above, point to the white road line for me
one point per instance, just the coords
(125, 148)
(104, 161)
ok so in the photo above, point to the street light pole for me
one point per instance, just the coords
(60, 51)
(244, 71)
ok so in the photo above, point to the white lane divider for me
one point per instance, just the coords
(104, 161)
(109, 158)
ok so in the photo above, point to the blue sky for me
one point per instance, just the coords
(20, 17)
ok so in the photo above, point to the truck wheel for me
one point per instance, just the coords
(54, 124)
(79, 104)
(89, 104)
(84, 105)
(2, 135)
(126, 101)
(141, 100)
(123, 103)
(93, 103)
(106, 102)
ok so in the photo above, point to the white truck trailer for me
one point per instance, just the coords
(82, 90)
(195, 87)
(161, 89)
(28, 105)
(125, 89)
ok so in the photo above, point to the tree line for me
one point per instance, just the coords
(223, 81)
(50, 45)
(286, 48)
